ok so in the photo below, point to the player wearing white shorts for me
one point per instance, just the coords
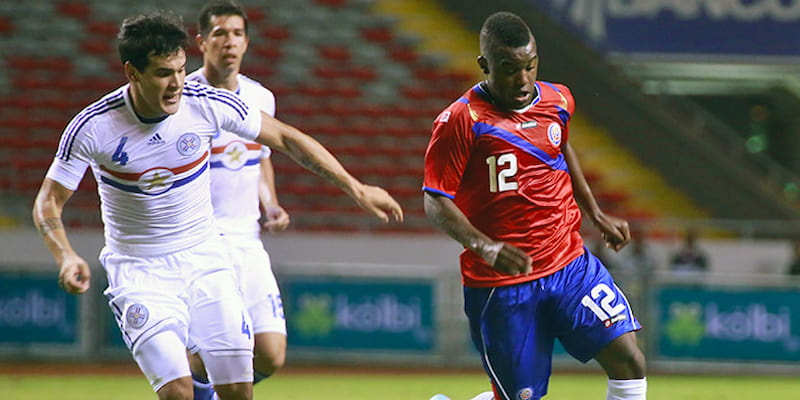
(169, 272)
(241, 175)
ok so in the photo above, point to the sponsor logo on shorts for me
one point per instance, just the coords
(611, 321)
(525, 393)
(137, 316)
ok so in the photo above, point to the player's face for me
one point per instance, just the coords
(512, 75)
(226, 43)
(157, 90)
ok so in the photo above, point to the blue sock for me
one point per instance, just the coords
(203, 390)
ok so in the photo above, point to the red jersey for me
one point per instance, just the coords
(506, 172)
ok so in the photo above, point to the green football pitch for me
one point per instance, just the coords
(294, 385)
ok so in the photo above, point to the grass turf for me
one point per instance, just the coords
(402, 386)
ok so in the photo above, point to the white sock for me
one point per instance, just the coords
(627, 389)
(484, 396)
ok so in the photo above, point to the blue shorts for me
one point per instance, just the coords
(514, 327)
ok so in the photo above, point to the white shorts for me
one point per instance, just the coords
(259, 287)
(191, 295)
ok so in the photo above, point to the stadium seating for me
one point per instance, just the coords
(340, 72)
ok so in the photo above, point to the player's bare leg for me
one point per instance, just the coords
(624, 364)
(270, 354)
(235, 391)
(178, 389)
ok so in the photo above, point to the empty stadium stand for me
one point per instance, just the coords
(345, 71)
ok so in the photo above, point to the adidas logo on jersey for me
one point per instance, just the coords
(155, 139)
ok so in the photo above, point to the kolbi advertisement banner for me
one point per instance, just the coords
(728, 324)
(359, 313)
(33, 309)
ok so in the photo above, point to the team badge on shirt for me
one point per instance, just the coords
(235, 155)
(137, 316)
(188, 144)
(554, 134)
(156, 181)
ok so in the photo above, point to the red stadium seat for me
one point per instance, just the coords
(6, 26)
(332, 3)
(103, 29)
(377, 34)
(276, 33)
(74, 9)
(334, 53)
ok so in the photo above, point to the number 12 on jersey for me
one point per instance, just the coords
(501, 179)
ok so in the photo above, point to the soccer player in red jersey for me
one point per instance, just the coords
(502, 180)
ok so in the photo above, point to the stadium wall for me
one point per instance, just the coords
(395, 300)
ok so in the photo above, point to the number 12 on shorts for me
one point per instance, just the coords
(604, 311)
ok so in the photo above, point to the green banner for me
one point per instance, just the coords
(359, 313)
(33, 309)
(717, 323)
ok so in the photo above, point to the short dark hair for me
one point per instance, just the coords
(159, 33)
(504, 29)
(217, 8)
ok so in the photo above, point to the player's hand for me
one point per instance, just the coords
(507, 258)
(277, 218)
(74, 275)
(616, 232)
(379, 203)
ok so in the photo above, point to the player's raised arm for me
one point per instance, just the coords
(74, 272)
(309, 153)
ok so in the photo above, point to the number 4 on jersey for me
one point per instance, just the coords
(120, 156)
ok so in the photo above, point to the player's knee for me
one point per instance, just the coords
(622, 359)
(270, 353)
(179, 389)
(269, 363)
(235, 391)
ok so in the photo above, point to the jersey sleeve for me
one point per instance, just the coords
(566, 109)
(73, 156)
(448, 151)
(233, 115)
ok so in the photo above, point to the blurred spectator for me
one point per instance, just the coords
(689, 258)
(794, 264)
(758, 129)
(600, 251)
(637, 259)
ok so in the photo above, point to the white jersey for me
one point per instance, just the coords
(152, 175)
(235, 165)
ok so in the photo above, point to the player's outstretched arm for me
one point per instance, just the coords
(74, 274)
(309, 153)
(502, 256)
(615, 231)
(277, 218)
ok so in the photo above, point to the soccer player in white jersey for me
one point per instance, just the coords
(170, 279)
(238, 168)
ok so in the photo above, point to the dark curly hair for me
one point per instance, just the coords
(218, 8)
(504, 29)
(159, 33)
